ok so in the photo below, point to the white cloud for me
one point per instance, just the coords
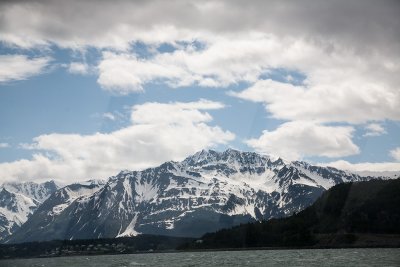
(365, 167)
(21, 67)
(78, 68)
(315, 38)
(183, 113)
(349, 77)
(331, 101)
(221, 63)
(374, 129)
(109, 116)
(340, 86)
(159, 132)
(347, 51)
(295, 140)
(126, 73)
(395, 153)
(4, 145)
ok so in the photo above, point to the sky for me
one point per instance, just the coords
(90, 88)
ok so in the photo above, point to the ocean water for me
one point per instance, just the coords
(281, 258)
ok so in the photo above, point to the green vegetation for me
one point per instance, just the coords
(362, 214)
(350, 214)
(141, 243)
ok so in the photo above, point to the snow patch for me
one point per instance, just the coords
(145, 191)
(317, 179)
(130, 230)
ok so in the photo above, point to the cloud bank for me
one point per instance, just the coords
(158, 132)
(299, 139)
(346, 53)
(116, 24)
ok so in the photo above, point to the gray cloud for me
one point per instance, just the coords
(347, 49)
(361, 25)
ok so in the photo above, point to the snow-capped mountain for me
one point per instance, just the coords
(205, 192)
(37, 191)
(68, 194)
(18, 201)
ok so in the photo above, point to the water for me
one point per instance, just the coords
(281, 258)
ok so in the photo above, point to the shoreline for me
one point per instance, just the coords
(207, 250)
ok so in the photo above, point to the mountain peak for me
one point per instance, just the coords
(37, 191)
(200, 156)
(197, 191)
(92, 182)
(4, 191)
(230, 152)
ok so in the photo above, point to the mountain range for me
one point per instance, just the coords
(205, 192)
(19, 200)
(360, 214)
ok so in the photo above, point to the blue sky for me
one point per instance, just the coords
(58, 101)
(302, 95)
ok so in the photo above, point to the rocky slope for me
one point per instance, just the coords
(205, 192)
(361, 214)
(18, 201)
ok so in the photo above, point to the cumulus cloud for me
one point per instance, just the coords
(124, 73)
(159, 132)
(320, 102)
(349, 77)
(332, 101)
(315, 38)
(295, 140)
(395, 153)
(21, 67)
(221, 63)
(346, 50)
(78, 68)
(339, 86)
(374, 129)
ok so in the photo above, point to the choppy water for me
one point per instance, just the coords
(281, 258)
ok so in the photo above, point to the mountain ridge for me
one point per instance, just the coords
(18, 201)
(356, 214)
(206, 191)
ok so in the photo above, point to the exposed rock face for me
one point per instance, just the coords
(205, 192)
(18, 201)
